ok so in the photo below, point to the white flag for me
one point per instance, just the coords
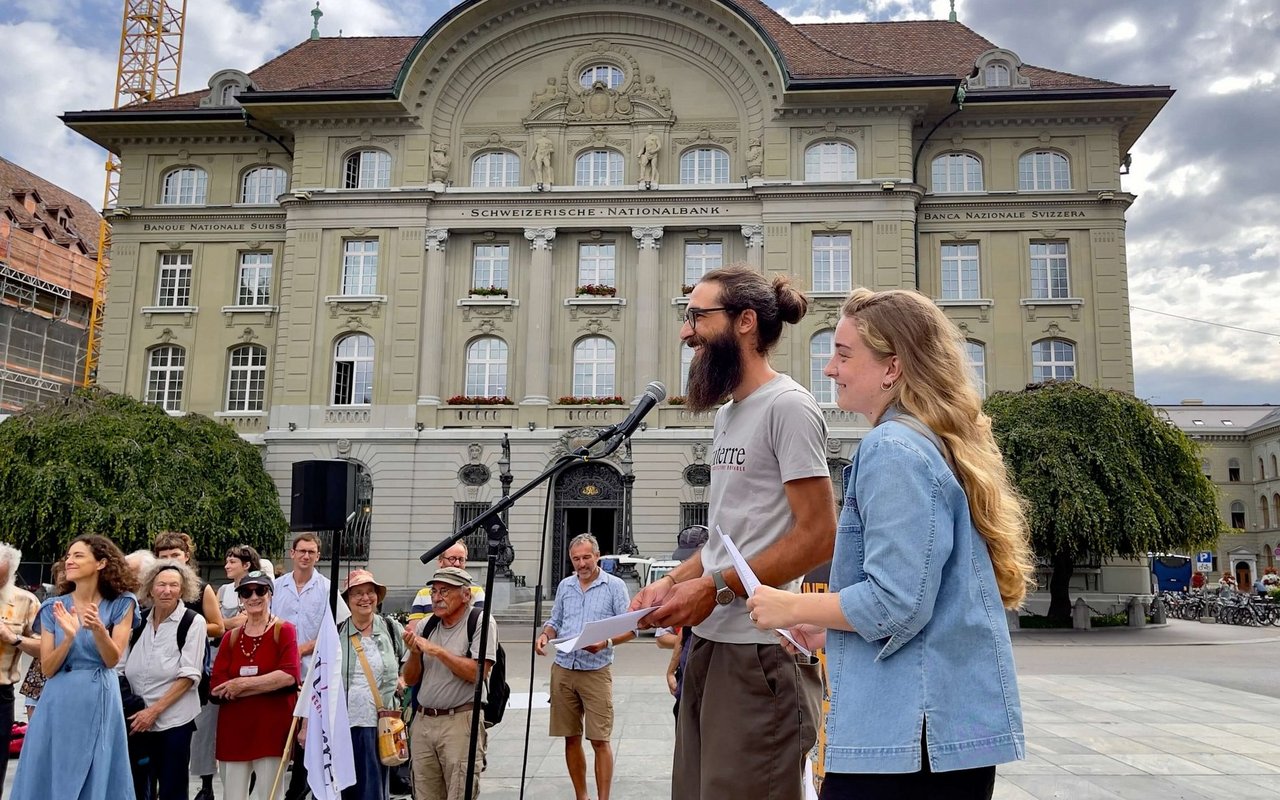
(323, 703)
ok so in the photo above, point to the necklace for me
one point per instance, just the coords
(363, 630)
(257, 641)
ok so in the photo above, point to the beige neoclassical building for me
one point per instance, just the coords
(441, 256)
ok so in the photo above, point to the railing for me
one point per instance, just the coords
(836, 418)
(681, 417)
(346, 416)
(48, 262)
(586, 416)
(244, 422)
(476, 417)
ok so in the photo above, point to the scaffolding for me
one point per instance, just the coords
(150, 63)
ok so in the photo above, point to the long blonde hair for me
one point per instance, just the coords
(936, 388)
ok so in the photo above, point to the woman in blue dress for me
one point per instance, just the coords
(76, 747)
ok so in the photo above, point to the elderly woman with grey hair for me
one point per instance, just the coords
(166, 658)
(18, 609)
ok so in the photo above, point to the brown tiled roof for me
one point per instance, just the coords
(928, 47)
(82, 227)
(809, 51)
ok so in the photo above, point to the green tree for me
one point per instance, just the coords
(1104, 475)
(96, 462)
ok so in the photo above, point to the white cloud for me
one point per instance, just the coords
(1234, 84)
(862, 11)
(1123, 31)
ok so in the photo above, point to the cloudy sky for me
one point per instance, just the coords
(1204, 236)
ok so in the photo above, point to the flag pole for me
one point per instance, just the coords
(293, 728)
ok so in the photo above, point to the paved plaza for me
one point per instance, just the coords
(1183, 712)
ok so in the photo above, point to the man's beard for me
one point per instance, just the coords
(715, 372)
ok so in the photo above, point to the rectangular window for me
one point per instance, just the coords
(253, 281)
(596, 264)
(832, 262)
(477, 541)
(693, 514)
(491, 266)
(247, 379)
(700, 258)
(1049, 270)
(360, 267)
(960, 272)
(174, 289)
(1237, 520)
(1233, 474)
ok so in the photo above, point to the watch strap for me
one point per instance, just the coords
(718, 578)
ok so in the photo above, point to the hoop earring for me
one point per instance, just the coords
(887, 387)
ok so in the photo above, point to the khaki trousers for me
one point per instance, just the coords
(438, 748)
(748, 719)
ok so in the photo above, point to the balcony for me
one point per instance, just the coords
(476, 417)
(837, 418)
(682, 417)
(244, 421)
(343, 415)
(586, 416)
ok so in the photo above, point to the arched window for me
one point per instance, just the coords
(957, 172)
(996, 75)
(1237, 515)
(1275, 473)
(598, 168)
(353, 370)
(1275, 506)
(1053, 360)
(593, 360)
(821, 347)
(607, 74)
(367, 169)
(247, 378)
(830, 161)
(487, 368)
(262, 185)
(1264, 511)
(704, 165)
(1042, 171)
(977, 355)
(166, 368)
(1262, 473)
(686, 361)
(495, 168)
(184, 186)
(1233, 470)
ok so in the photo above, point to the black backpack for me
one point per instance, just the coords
(188, 617)
(498, 690)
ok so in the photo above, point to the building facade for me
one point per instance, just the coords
(48, 260)
(448, 257)
(1241, 455)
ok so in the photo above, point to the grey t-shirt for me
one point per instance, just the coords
(440, 688)
(775, 435)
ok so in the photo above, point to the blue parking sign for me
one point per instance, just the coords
(1204, 561)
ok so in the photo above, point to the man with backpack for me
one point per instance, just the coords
(440, 668)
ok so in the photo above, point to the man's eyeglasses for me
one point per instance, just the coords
(692, 314)
(454, 559)
(257, 590)
(438, 591)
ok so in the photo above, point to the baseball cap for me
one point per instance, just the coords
(454, 576)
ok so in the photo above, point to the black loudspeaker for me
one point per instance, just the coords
(324, 495)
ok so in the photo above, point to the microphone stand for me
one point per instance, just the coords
(496, 532)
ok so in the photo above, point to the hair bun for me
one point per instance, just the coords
(792, 304)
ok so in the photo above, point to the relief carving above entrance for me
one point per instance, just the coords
(636, 97)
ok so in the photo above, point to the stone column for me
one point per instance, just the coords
(538, 315)
(648, 309)
(431, 332)
(754, 236)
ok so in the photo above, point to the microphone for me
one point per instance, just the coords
(654, 393)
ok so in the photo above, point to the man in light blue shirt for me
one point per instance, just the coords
(581, 680)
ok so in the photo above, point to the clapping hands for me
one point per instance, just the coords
(67, 620)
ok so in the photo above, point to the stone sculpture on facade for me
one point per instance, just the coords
(755, 158)
(440, 162)
(648, 157)
(543, 149)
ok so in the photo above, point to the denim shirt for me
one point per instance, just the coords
(931, 646)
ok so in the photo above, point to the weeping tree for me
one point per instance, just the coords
(1104, 475)
(96, 462)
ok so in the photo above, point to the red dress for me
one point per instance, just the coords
(257, 726)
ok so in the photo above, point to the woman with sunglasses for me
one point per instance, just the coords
(255, 680)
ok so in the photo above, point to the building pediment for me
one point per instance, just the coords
(571, 97)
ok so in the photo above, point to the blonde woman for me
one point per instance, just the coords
(166, 658)
(931, 547)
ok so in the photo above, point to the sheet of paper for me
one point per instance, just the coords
(601, 629)
(750, 582)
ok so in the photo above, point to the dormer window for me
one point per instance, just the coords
(607, 74)
(225, 87)
(998, 69)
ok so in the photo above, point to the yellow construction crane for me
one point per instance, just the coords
(149, 66)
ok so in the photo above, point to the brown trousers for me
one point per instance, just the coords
(748, 719)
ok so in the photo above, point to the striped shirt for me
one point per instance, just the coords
(605, 597)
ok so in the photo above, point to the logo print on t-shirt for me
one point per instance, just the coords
(730, 458)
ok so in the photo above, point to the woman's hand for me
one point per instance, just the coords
(92, 621)
(143, 720)
(772, 608)
(811, 637)
(229, 690)
(67, 621)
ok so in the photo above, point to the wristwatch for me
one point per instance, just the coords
(724, 595)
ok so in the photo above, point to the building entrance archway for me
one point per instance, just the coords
(588, 499)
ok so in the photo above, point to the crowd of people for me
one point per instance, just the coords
(930, 545)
